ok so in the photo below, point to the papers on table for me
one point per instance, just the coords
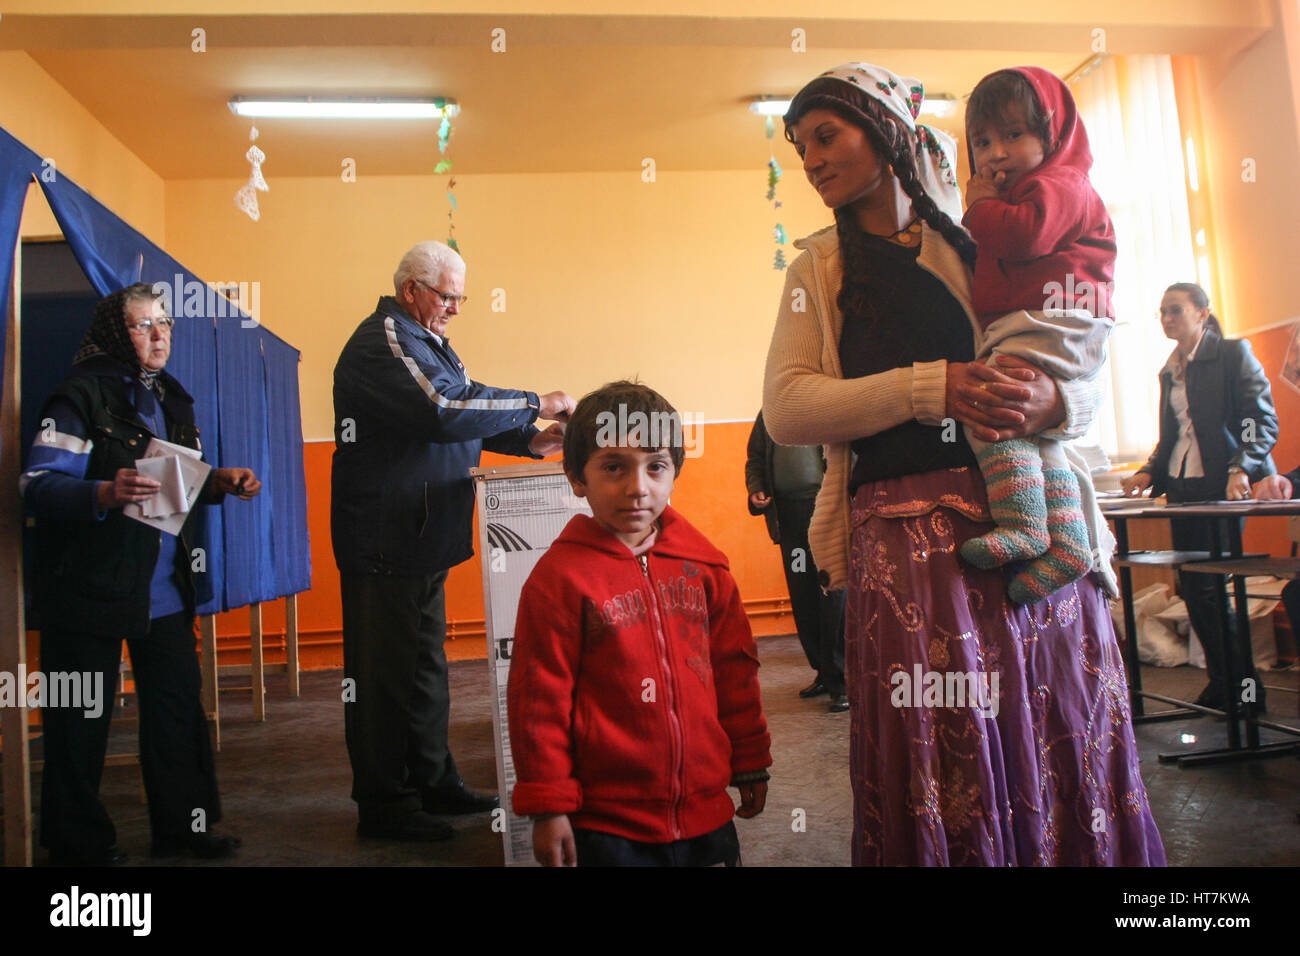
(181, 472)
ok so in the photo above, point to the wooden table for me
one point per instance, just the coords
(1225, 557)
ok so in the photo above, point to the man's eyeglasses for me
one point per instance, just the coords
(145, 326)
(447, 300)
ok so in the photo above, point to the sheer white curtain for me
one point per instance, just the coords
(1128, 106)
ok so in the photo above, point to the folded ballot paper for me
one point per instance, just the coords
(181, 472)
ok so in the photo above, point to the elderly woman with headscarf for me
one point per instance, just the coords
(983, 731)
(103, 577)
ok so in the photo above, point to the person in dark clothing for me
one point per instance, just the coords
(783, 481)
(409, 425)
(1217, 429)
(1283, 488)
(103, 577)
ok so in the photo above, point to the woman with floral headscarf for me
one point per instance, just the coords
(984, 732)
(103, 576)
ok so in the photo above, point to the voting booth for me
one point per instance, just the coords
(244, 380)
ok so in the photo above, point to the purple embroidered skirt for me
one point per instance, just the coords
(983, 733)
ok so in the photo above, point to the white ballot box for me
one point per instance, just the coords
(521, 510)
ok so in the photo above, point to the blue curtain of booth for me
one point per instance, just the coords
(244, 440)
(246, 408)
(17, 166)
(288, 511)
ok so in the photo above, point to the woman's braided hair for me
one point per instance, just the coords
(892, 141)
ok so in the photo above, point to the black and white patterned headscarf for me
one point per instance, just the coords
(108, 334)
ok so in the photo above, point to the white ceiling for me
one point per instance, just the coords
(569, 93)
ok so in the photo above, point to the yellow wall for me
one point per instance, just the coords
(604, 275)
(1248, 112)
(42, 115)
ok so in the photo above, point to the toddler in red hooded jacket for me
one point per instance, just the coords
(1046, 257)
(633, 693)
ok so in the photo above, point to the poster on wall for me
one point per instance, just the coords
(521, 510)
(1291, 366)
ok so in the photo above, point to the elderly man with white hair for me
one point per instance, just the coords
(409, 423)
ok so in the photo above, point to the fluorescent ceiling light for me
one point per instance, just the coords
(940, 105)
(315, 107)
(766, 106)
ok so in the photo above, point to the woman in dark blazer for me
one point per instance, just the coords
(782, 482)
(1217, 428)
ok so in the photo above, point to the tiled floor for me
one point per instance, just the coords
(285, 782)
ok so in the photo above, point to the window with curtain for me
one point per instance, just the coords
(1128, 106)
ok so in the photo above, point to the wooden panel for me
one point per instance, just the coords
(13, 643)
(258, 674)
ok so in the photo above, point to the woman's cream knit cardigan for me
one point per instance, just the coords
(807, 401)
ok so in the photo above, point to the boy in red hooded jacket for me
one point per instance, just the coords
(633, 694)
(1042, 293)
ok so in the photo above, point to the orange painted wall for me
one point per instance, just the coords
(710, 492)
(1270, 534)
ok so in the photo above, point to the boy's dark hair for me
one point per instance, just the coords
(991, 101)
(597, 416)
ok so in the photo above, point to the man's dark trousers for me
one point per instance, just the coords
(397, 707)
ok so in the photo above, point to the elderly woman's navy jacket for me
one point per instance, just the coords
(94, 568)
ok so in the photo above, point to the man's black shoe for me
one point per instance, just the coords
(107, 856)
(1213, 696)
(414, 827)
(201, 846)
(839, 704)
(815, 689)
(458, 799)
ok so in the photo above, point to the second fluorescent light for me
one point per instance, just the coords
(315, 107)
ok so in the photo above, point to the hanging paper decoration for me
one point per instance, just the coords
(444, 166)
(771, 127)
(246, 196)
(773, 177)
(451, 226)
(774, 173)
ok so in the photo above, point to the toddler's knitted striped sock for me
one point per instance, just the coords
(1069, 557)
(1013, 476)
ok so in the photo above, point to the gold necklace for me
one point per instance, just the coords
(909, 234)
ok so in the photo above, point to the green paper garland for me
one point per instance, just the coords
(774, 173)
(443, 167)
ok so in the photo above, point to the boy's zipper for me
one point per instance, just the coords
(674, 720)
